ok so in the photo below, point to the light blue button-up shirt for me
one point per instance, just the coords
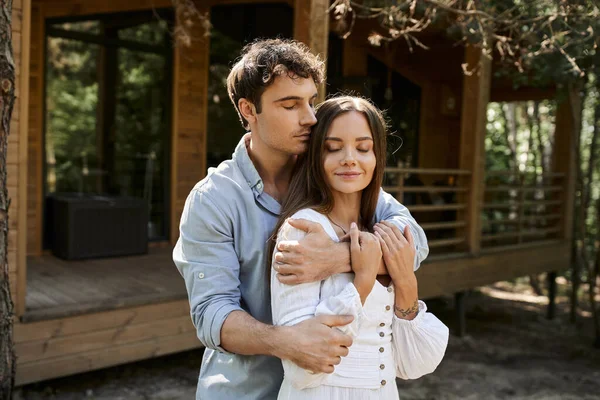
(221, 254)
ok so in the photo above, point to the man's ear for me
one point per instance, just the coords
(247, 110)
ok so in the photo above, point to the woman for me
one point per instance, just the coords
(337, 184)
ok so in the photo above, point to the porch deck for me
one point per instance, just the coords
(58, 288)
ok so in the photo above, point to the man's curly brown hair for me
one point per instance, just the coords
(262, 61)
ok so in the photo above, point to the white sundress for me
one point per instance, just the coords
(384, 346)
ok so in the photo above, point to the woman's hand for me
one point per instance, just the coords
(365, 255)
(399, 256)
(398, 252)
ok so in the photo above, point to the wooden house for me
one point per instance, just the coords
(78, 315)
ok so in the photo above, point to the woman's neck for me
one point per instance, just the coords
(346, 209)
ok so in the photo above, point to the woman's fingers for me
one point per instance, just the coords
(354, 236)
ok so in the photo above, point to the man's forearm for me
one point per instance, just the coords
(243, 334)
(341, 255)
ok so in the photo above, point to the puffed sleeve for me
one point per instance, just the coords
(419, 344)
(292, 304)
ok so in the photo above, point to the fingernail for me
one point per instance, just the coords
(353, 225)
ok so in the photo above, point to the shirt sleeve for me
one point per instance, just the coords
(292, 304)
(419, 344)
(206, 258)
(389, 209)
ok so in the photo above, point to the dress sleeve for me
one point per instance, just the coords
(292, 304)
(419, 344)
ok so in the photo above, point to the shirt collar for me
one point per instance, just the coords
(245, 164)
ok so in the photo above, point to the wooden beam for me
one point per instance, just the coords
(21, 258)
(96, 359)
(445, 277)
(36, 128)
(311, 26)
(521, 94)
(62, 8)
(476, 94)
(568, 114)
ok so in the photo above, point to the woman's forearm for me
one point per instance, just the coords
(406, 305)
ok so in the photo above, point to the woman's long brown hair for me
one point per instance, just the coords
(308, 186)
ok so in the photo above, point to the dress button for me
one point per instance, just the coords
(382, 366)
(387, 308)
(381, 334)
(383, 382)
(390, 289)
(381, 349)
(382, 324)
(201, 275)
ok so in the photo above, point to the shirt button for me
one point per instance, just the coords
(381, 349)
(390, 289)
(381, 334)
(201, 275)
(382, 324)
(259, 186)
(383, 382)
(387, 308)
(382, 366)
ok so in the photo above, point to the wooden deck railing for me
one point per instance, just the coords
(521, 208)
(437, 199)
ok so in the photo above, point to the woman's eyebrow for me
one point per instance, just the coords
(360, 139)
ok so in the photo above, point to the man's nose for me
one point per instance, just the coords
(309, 118)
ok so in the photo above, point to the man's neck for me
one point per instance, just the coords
(275, 168)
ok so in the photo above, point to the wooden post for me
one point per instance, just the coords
(189, 116)
(461, 319)
(23, 148)
(476, 94)
(551, 295)
(311, 26)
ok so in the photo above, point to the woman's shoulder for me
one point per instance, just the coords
(309, 214)
(315, 216)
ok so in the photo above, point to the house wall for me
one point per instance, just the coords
(65, 346)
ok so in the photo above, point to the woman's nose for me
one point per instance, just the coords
(348, 159)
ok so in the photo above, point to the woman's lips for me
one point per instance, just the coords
(348, 175)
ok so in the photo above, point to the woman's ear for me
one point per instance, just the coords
(247, 110)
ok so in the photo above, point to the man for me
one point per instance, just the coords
(229, 217)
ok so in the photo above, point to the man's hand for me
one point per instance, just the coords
(314, 345)
(314, 258)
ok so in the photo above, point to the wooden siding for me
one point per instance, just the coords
(60, 347)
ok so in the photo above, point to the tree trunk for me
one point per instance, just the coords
(7, 99)
(578, 89)
(593, 276)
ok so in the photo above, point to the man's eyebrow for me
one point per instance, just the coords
(360, 139)
(314, 96)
